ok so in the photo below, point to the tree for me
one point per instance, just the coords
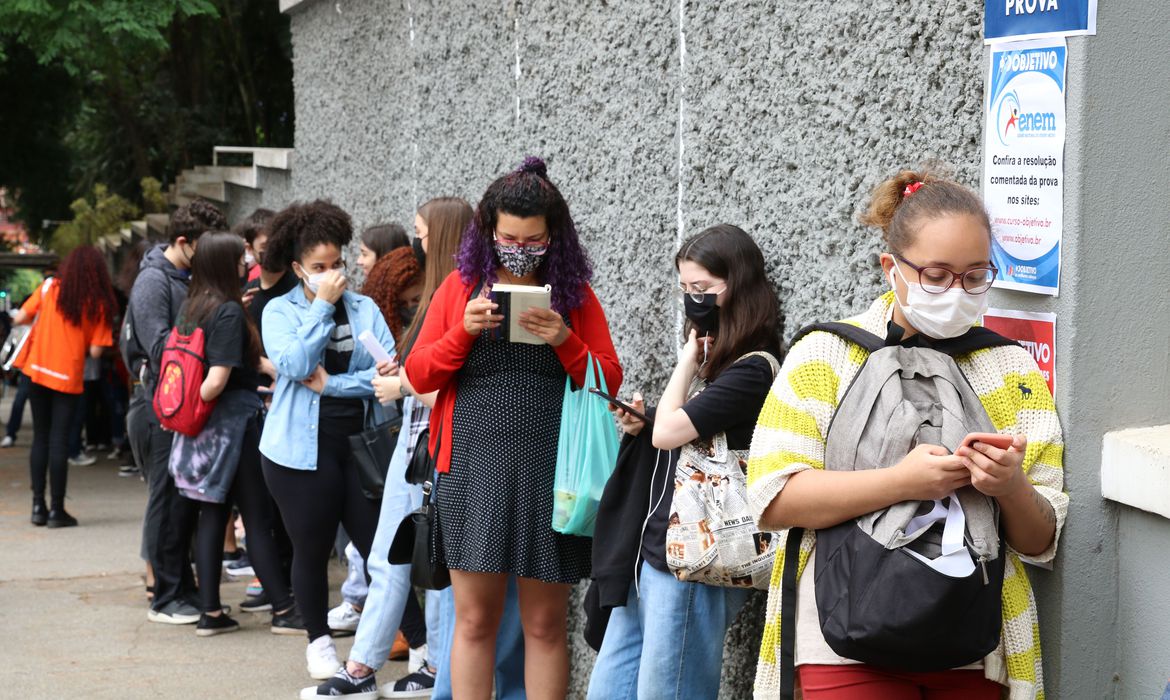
(107, 214)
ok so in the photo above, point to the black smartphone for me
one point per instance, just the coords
(624, 406)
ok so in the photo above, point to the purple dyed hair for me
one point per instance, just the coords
(526, 192)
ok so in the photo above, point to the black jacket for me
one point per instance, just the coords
(617, 538)
(159, 292)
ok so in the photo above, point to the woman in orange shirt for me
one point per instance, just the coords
(73, 313)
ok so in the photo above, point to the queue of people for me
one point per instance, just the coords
(884, 478)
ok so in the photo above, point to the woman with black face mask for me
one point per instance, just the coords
(666, 640)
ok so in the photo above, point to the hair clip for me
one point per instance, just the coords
(911, 189)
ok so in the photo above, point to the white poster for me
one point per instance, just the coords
(1023, 163)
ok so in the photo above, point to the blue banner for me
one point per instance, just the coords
(1011, 20)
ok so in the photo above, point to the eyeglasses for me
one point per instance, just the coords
(532, 248)
(936, 280)
(697, 295)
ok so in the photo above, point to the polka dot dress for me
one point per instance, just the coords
(495, 505)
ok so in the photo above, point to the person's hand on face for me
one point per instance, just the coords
(332, 285)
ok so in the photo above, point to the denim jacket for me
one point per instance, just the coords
(295, 335)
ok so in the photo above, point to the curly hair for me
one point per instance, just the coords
(900, 216)
(527, 192)
(192, 220)
(86, 292)
(300, 227)
(392, 275)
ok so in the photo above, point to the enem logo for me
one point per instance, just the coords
(1013, 122)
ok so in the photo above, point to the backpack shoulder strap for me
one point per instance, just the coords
(978, 338)
(788, 614)
(854, 334)
(771, 359)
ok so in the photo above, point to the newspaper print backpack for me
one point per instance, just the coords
(712, 537)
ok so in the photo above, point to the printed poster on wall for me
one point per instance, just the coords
(1023, 163)
(1035, 331)
(1015, 20)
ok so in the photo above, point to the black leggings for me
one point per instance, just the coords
(312, 504)
(52, 413)
(250, 494)
(414, 624)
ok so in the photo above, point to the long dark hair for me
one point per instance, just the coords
(86, 292)
(447, 219)
(749, 319)
(526, 192)
(383, 238)
(215, 280)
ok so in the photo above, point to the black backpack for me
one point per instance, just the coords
(915, 586)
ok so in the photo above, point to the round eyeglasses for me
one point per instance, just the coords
(936, 280)
(697, 295)
(532, 248)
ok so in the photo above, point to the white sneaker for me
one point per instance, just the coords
(321, 658)
(344, 618)
(8, 441)
(418, 658)
(82, 460)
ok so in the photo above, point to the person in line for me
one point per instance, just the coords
(667, 640)
(377, 242)
(254, 231)
(74, 317)
(157, 295)
(224, 458)
(323, 395)
(938, 264)
(496, 423)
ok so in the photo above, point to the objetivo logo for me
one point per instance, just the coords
(1013, 122)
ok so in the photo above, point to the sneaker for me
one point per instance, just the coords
(419, 684)
(344, 618)
(256, 603)
(220, 624)
(241, 567)
(418, 658)
(82, 460)
(321, 658)
(59, 518)
(129, 470)
(40, 512)
(175, 613)
(8, 441)
(254, 587)
(288, 622)
(342, 683)
(401, 649)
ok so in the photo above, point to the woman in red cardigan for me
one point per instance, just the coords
(496, 422)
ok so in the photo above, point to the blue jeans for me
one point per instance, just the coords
(669, 644)
(354, 588)
(389, 584)
(509, 646)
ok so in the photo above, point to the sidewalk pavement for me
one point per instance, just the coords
(73, 612)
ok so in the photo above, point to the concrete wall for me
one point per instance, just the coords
(660, 118)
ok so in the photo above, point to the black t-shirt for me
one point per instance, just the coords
(256, 308)
(225, 338)
(731, 404)
(338, 352)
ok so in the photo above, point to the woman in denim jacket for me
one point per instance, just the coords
(323, 395)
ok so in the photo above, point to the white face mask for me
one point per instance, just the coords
(313, 281)
(249, 259)
(939, 316)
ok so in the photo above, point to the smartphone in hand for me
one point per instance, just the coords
(994, 439)
(624, 406)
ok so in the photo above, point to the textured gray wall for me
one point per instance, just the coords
(785, 114)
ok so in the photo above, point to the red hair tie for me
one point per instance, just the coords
(911, 189)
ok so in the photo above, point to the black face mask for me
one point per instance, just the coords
(704, 315)
(406, 314)
(419, 254)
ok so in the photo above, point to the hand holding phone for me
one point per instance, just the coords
(616, 403)
(1003, 442)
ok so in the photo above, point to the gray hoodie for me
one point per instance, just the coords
(159, 292)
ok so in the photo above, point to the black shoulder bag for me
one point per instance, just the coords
(417, 540)
(372, 450)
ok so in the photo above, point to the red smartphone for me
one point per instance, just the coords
(994, 439)
(625, 407)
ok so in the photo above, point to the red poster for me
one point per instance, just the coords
(1035, 331)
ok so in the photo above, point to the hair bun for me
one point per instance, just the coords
(534, 165)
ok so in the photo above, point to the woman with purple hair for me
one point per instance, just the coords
(496, 422)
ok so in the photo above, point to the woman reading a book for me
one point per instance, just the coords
(496, 422)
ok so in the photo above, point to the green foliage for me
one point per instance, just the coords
(21, 283)
(153, 199)
(106, 214)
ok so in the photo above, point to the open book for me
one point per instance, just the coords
(515, 299)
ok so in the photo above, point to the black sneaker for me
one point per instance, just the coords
(288, 622)
(40, 512)
(240, 566)
(256, 603)
(59, 518)
(344, 684)
(419, 684)
(220, 624)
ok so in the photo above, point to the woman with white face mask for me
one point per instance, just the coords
(938, 262)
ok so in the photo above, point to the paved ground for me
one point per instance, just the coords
(73, 617)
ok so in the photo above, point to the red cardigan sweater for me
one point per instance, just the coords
(443, 345)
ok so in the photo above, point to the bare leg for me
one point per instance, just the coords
(479, 603)
(544, 611)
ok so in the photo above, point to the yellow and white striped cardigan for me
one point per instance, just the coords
(790, 437)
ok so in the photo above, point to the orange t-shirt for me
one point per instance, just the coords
(55, 353)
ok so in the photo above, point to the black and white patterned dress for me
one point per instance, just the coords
(495, 505)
